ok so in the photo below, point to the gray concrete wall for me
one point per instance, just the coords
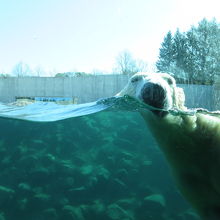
(199, 96)
(86, 88)
(216, 96)
(89, 88)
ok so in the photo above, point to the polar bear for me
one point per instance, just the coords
(191, 143)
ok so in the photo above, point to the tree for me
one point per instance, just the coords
(203, 52)
(195, 53)
(21, 69)
(166, 54)
(39, 71)
(126, 64)
(209, 49)
(179, 49)
(141, 65)
(4, 75)
(71, 74)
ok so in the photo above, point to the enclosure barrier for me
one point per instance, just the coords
(216, 95)
(91, 88)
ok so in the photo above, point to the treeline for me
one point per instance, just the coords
(22, 69)
(192, 56)
(125, 63)
(72, 74)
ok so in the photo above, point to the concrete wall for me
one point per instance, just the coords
(216, 96)
(89, 88)
(199, 96)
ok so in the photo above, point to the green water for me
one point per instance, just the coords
(104, 166)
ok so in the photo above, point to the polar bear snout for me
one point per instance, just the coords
(155, 89)
(154, 95)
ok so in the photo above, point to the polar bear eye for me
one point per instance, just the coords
(135, 79)
(170, 81)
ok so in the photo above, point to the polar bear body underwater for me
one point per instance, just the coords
(191, 143)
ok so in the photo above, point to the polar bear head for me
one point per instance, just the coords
(158, 90)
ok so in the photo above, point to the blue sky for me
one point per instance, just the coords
(87, 35)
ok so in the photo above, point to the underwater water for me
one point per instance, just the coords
(100, 166)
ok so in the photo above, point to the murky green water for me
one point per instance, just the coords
(103, 166)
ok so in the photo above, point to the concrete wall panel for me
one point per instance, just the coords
(90, 88)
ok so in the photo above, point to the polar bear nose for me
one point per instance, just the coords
(153, 95)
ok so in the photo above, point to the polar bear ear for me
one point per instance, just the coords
(179, 98)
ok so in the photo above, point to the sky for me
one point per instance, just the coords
(87, 35)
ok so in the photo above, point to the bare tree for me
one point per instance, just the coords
(21, 69)
(141, 65)
(39, 71)
(126, 64)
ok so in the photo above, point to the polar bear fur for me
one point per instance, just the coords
(191, 144)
